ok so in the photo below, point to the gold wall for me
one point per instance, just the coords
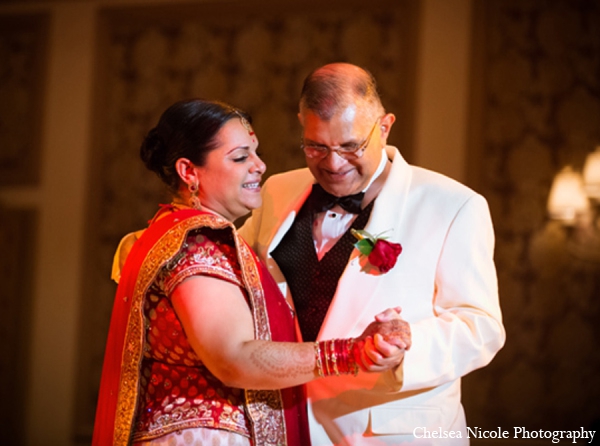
(536, 108)
(530, 88)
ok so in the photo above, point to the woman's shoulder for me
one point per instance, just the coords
(205, 251)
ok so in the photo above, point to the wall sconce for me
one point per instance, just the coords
(574, 200)
(591, 175)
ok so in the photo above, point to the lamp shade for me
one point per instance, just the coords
(591, 174)
(567, 198)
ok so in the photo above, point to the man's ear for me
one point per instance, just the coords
(187, 171)
(386, 123)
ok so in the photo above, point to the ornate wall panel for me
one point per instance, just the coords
(252, 54)
(17, 242)
(22, 64)
(537, 109)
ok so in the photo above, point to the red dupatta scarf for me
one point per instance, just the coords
(119, 386)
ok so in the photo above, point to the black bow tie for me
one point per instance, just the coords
(323, 201)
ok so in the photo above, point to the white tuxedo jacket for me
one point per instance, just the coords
(445, 282)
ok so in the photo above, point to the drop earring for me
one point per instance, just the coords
(194, 201)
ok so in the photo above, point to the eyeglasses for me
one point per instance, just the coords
(347, 151)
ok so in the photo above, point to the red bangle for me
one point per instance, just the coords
(336, 357)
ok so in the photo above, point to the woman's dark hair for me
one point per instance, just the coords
(187, 129)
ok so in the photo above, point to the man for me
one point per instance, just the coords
(443, 279)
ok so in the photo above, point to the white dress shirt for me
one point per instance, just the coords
(330, 225)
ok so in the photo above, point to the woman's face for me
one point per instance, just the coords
(229, 181)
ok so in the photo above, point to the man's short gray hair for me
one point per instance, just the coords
(331, 88)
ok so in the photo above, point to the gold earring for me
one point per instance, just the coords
(194, 201)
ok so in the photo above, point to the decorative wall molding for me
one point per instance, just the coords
(17, 244)
(23, 41)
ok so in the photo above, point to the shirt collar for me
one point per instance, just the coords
(379, 169)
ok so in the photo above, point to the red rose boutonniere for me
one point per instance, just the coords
(380, 253)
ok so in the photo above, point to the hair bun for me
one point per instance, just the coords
(153, 151)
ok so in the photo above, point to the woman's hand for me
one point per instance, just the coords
(383, 343)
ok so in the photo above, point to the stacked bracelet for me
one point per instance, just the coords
(335, 357)
(318, 359)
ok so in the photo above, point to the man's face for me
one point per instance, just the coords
(350, 128)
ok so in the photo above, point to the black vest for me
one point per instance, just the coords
(312, 282)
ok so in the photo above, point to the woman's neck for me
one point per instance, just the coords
(177, 205)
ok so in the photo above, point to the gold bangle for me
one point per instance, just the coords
(326, 356)
(318, 360)
(334, 357)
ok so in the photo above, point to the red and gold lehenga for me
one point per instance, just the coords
(152, 382)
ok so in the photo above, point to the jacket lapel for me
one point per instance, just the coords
(281, 225)
(357, 286)
(287, 218)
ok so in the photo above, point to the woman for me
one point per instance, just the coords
(197, 318)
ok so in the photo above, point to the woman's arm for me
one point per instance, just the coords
(218, 323)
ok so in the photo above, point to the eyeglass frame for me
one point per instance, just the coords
(346, 153)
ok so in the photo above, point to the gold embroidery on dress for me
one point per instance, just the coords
(264, 407)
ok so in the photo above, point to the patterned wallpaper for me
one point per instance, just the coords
(251, 56)
(539, 69)
(536, 109)
(22, 60)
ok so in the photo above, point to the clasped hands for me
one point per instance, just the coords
(383, 343)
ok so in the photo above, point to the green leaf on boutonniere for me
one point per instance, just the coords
(365, 243)
(364, 246)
